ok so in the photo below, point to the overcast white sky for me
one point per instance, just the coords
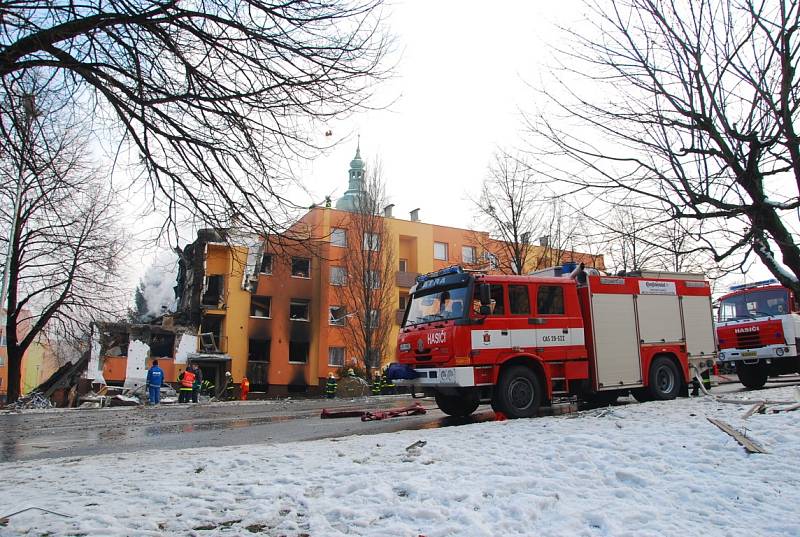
(462, 76)
(465, 71)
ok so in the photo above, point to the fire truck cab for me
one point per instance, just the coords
(521, 341)
(758, 329)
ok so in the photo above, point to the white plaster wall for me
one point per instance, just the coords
(187, 343)
(94, 370)
(136, 372)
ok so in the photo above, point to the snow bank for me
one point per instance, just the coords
(654, 469)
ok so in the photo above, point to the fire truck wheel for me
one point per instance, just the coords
(519, 393)
(462, 404)
(665, 381)
(753, 376)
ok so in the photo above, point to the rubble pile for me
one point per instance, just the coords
(32, 400)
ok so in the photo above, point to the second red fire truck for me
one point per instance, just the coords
(758, 328)
(521, 341)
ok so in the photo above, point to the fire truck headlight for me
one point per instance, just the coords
(404, 347)
(721, 355)
(779, 351)
(710, 363)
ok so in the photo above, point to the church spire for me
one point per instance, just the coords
(355, 184)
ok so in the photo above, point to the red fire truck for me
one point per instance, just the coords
(758, 328)
(521, 341)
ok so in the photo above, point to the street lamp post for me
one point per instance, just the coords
(29, 112)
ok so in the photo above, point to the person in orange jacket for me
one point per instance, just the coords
(187, 381)
(245, 388)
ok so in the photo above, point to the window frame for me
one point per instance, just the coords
(299, 273)
(300, 302)
(308, 351)
(268, 346)
(372, 279)
(343, 351)
(265, 256)
(338, 283)
(563, 300)
(446, 250)
(341, 321)
(473, 254)
(339, 232)
(402, 265)
(269, 307)
(511, 302)
(368, 242)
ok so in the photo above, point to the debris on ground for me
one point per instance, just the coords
(749, 445)
(416, 445)
(374, 415)
(4, 519)
(32, 400)
(411, 410)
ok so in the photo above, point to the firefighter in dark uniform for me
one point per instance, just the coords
(330, 386)
(387, 386)
(377, 384)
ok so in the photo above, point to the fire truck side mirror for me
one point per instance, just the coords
(486, 299)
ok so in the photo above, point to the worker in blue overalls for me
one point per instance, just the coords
(155, 378)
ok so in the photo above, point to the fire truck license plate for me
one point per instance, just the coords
(748, 354)
(447, 375)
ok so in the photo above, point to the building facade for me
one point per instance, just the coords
(271, 309)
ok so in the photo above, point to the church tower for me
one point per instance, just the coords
(355, 185)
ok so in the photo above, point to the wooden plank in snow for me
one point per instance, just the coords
(745, 442)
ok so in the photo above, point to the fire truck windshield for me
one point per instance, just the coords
(755, 303)
(437, 304)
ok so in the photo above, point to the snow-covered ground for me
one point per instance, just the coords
(654, 469)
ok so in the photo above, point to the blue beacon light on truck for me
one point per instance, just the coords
(455, 269)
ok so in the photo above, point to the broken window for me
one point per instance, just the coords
(301, 267)
(212, 295)
(298, 310)
(208, 343)
(162, 345)
(260, 306)
(258, 350)
(211, 325)
(266, 264)
(336, 356)
(337, 315)
(298, 352)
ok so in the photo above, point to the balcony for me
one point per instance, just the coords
(405, 279)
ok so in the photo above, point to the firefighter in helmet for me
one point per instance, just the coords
(330, 386)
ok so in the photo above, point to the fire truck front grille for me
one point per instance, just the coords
(749, 340)
(423, 358)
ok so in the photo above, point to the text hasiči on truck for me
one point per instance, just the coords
(758, 330)
(522, 341)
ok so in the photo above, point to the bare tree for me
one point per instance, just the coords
(368, 293)
(515, 211)
(63, 251)
(210, 99)
(689, 108)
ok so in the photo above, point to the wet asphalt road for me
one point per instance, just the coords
(43, 434)
(79, 432)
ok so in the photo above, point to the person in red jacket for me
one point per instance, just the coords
(245, 388)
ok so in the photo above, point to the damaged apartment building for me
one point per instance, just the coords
(271, 309)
